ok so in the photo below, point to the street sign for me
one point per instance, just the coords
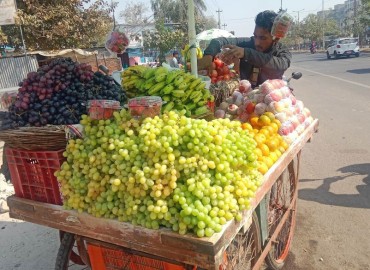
(7, 12)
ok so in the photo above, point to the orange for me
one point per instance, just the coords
(258, 152)
(277, 122)
(264, 120)
(284, 145)
(274, 156)
(260, 138)
(273, 144)
(278, 153)
(275, 127)
(265, 149)
(265, 132)
(262, 167)
(247, 126)
(270, 129)
(270, 115)
(268, 161)
(254, 122)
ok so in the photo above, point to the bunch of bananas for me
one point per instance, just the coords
(180, 90)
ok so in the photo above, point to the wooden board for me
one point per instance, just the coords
(203, 252)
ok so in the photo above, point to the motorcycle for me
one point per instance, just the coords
(313, 49)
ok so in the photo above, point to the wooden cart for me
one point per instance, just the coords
(263, 236)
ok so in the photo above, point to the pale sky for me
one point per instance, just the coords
(239, 15)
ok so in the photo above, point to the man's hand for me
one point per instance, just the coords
(231, 53)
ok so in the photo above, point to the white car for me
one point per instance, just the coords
(343, 47)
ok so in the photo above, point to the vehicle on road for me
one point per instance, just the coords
(343, 47)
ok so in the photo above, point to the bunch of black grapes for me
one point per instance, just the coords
(58, 93)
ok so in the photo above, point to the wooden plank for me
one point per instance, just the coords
(204, 252)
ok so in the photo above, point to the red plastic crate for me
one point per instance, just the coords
(32, 174)
(103, 258)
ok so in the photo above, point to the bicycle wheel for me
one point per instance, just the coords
(282, 202)
(69, 252)
(244, 250)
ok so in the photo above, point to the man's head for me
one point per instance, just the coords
(175, 54)
(263, 40)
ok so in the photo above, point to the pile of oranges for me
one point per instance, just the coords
(270, 145)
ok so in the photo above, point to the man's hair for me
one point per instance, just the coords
(265, 19)
(175, 52)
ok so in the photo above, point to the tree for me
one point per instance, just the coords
(3, 38)
(175, 11)
(163, 39)
(59, 24)
(134, 13)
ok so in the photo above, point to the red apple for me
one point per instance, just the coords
(301, 117)
(250, 107)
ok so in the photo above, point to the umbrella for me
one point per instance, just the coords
(213, 33)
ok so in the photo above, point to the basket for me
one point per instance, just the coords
(103, 258)
(147, 106)
(222, 90)
(32, 174)
(47, 138)
(102, 108)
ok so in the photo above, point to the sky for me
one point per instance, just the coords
(238, 15)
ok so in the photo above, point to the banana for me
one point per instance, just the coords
(201, 110)
(168, 106)
(149, 83)
(171, 76)
(168, 89)
(195, 83)
(156, 88)
(166, 98)
(178, 93)
(178, 80)
(182, 86)
(147, 74)
(161, 77)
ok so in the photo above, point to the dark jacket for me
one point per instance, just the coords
(271, 64)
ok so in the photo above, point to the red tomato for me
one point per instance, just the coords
(225, 70)
(218, 63)
(250, 107)
(214, 73)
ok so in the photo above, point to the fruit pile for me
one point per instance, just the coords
(186, 174)
(180, 90)
(272, 96)
(58, 92)
(270, 144)
(117, 42)
(220, 71)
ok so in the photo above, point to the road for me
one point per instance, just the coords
(334, 196)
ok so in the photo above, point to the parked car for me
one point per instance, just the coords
(343, 47)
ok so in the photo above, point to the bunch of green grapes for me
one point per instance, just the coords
(186, 174)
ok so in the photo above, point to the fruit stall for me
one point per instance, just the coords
(155, 173)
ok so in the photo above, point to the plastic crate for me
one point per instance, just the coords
(32, 174)
(103, 258)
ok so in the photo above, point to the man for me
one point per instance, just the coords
(261, 57)
(174, 62)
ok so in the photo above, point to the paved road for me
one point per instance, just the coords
(334, 196)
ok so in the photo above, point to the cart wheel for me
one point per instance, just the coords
(70, 250)
(244, 250)
(281, 197)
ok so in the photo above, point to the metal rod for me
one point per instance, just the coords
(192, 40)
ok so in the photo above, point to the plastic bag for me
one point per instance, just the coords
(117, 42)
(281, 25)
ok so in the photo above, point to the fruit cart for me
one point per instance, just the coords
(263, 235)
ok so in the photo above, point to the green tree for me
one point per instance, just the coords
(135, 13)
(175, 11)
(163, 39)
(314, 27)
(58, 24)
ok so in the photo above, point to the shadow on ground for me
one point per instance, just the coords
(323, 195)
(359, 71)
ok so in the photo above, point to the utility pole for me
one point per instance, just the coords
(323, 26)
(219, 18)
(281, 5)
(224, 25)
(299, 29)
